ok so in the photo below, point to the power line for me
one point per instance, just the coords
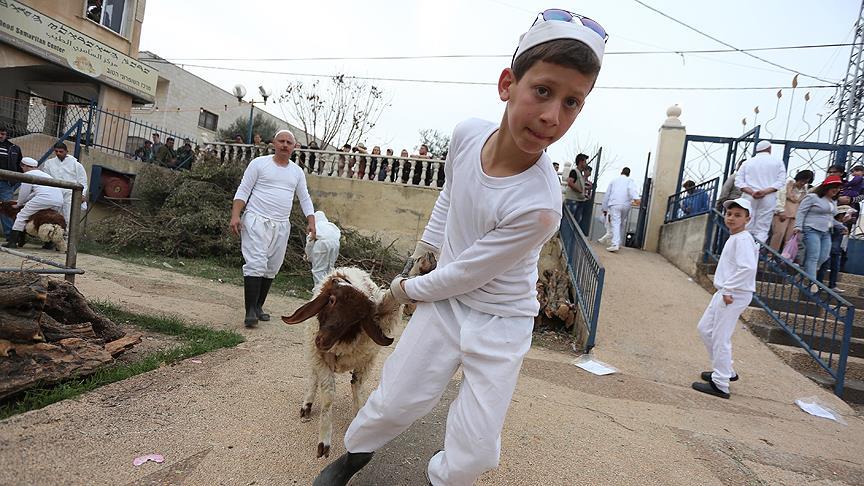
(492, 56)
(640, 2)
(484, 83)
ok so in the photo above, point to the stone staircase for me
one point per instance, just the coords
(782, 298)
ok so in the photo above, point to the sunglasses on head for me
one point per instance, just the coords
(557, 14)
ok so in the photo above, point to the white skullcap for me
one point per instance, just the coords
(284, 130)
(549, 30)
(29, 162)
(763, 145)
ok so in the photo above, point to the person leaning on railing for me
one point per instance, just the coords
(814, 220)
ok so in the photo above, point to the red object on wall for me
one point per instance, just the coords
(116, 186)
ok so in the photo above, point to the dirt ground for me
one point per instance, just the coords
(233, 418)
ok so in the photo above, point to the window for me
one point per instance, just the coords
(108, 13)
(208, 120)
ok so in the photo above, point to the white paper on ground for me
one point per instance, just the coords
(595, 366)
(813, 406)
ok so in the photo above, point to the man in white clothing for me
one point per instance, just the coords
(32, 198)
(759, 179)
(617, 201)
(500, 203)
(267, 193)
(323, 250)
(735, 281)
(66, 167)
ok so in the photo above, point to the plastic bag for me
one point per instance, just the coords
(790, 250)
(816, 407)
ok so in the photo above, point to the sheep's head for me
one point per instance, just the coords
(343, 313)
(7, 209)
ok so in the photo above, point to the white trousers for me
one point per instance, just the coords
(439, 337)
(762, 215)
(323, 259)
(619, 216)
(263, 242)
(30, 208)
(716, 328)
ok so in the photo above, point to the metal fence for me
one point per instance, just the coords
(689, 203)
(586, 273)
(814, 316)
(118, 134)
(350, 165)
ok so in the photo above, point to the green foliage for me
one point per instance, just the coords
(438, 143)
(260, 125)
(196, 340)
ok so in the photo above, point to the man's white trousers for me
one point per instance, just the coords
(323, 259)
(761, 215)
(263, 242)
(716, 328)
(440, 337)
(31, 207)
(619, 216)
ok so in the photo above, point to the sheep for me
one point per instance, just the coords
(47, 224)
(355, 317)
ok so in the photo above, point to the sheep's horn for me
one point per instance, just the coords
(308, 309)
(375, 332)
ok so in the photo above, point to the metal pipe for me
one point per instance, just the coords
(73, 234)
(42, 181)
(34, 258)
(47, 271)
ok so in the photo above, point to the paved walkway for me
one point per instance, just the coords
(233, 419)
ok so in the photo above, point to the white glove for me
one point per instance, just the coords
(398, 291)
(422, 261)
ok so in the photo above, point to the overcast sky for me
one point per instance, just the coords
(623, 121)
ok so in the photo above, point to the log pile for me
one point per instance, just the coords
(554, 293)
(49, 333)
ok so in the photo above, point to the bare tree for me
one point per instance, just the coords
(590, 148)
(341, 110)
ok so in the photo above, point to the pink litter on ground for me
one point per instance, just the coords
(196, 361)
(149, 457)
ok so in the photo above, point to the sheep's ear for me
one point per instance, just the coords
(371, 328)
(308, 309)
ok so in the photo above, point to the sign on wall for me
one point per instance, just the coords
(34, 32)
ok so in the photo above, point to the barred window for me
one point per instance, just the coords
(208, 120)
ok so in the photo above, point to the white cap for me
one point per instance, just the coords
(548, 30)
(29, 162)
(744, 203)
(763, 145)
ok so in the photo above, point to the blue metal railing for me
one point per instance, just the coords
(815, 317)
(75, 129)
(586, 273)
(118, 134)
(688, 204)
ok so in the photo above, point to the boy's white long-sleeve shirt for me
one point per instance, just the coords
(490, 230)
(268, 189)
(736, 269)
(762, 171)
(622, 191)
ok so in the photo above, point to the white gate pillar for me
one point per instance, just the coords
(667, 165)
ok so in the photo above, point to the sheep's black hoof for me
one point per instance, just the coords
(340, 471)
(49, 245)
(306, 410)
(323, 450)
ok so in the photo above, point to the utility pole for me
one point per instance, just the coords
(848, 129)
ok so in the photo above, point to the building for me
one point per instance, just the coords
(57, 54)
(186, 103)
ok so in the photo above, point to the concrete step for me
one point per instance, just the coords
(803, 362)
(759, 316)
(774, 334)
(851, 278)
(853, 390)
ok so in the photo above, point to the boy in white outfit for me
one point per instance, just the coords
(735, 281)
(323, 250)
(500, 203)
(32, 198)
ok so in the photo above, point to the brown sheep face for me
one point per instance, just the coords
(7, 210)
(343, 313)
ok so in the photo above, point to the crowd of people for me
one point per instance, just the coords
(165, 154)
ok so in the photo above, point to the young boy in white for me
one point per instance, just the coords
(735, 281)
(323, 250)
(500, 203)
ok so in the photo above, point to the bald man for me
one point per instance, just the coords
(759, 179)
(267, 193)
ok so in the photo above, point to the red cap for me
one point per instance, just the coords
(832, 180)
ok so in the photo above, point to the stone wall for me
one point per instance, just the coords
(682, 242)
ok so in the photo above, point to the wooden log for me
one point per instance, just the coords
(118, 347)
(45, 363)
(22, 296)
(55, 331)
(66, 305)
(20, 326)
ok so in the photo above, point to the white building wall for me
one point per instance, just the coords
(181, 95)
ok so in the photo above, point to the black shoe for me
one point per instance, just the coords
(710, 388)
(706, 376)
(265, 288)
(16, 239)
(340, 471)
(251, 290)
